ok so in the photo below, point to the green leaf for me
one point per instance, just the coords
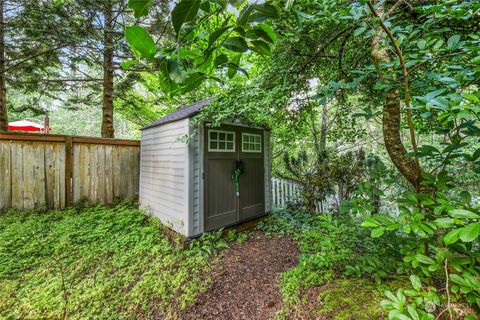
(184, 11)
(466, 197)
(269, 31)
(463, 214)
(413, 312)
(261, 47)
(215, 35)
(370, 223)
(233, 66)
(127, 64)
(140, 42)
(476, 155)
(451, 237)
(453, 41)
(424, 259)
(176, 70)
(244, 15)
(416, 283)
(166, 84)
(267, 10)
(236, 44)
(236, 3)
(457, 279)
(421, 44)
(400, 317)
(140, 7)
(359, 31)
(470, 232)
(221, 59)
(444, 222)
(378, 232)
(192, 82)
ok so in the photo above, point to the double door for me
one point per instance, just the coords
(233, 175)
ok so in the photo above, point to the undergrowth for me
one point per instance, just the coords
(338, 257)
(97, 262)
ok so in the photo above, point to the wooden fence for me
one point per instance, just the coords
(54, 171)
(284, 191)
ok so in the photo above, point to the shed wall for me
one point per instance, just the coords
(164, 174)
(196, 149)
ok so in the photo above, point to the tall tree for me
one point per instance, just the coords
(107, 110)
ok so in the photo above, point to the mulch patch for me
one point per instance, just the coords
(244, 280)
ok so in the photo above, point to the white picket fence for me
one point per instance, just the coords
(284, 191)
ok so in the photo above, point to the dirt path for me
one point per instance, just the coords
(244, 280)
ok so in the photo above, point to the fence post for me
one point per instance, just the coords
(68, 171)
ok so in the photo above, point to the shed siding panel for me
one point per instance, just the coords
(196, 226)
(268, 171)
(163, 161)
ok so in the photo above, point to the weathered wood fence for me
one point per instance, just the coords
(55, 171)
(284, 191)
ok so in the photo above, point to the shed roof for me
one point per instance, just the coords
(182, 113)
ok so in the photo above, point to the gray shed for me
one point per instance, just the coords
(191, 186)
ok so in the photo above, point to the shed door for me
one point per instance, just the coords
(221, 206)
(252, 188)
(225, 148)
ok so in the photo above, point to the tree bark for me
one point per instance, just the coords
(391, 123)
(108, 130)
(3, 89)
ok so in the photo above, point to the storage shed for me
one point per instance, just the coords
(219, 178)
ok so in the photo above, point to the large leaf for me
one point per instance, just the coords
(166, 84)
(140, 42)
(261, 47)
(451, 237)
(377, 232)
(444, 222)
(244, 15)
(416, 283)
(269, 31)
(453, 41)
(236, 44)
(216, 34)
(184, 11)
(221, 59)
(233, 66)
(463, 214)
(176, 71)
(470, 232)
(424, 259)
(265, 10)
(140, 7)
(192, 82)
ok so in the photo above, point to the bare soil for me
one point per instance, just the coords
(244, 280)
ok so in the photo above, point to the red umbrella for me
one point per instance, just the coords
(24, 125)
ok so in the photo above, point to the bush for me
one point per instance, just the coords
(331, 247)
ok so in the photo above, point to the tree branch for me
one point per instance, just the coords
(406, 90)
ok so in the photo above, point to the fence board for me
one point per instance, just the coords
(39, 177)
(54, 170)
(5, 180)
(17, 177)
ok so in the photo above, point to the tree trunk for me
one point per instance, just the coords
(107, 111)
(392, 116)
(3, 89)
